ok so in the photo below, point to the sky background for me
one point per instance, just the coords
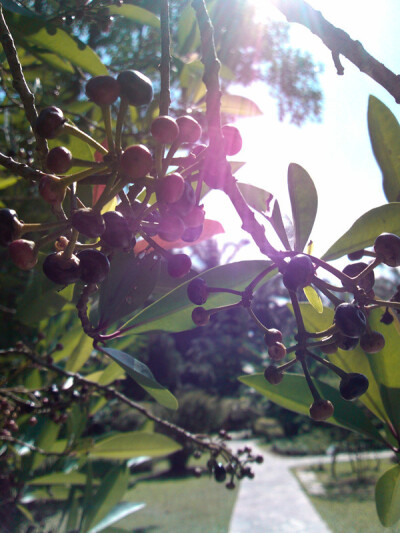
(335, 152)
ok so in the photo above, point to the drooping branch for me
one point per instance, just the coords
(20, 85)
(340, 43)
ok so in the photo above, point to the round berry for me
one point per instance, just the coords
(353, 269)
(136, 161)
(350, 320)
(321, 410)
(170, 188)
(49, 122)
(94, 266)
(387, 317)
(355, 256)
(186, 202)
(60, 269)
(219, 473)
(216, 171)
(189, 129)
(89, 222)
(179, 265)
(164, 129)
(23, 254)
(387, 249)
(117, 233)
(102, 90)
(277, 351)
(198, 149)
(59, 160)
(52, 189)
(195, 217)
(135, 87)
(232, 139)
(192, 234)
(330, 348)
(353, 385)
(197, 291)
(10, 226)
(347, 343)
(272, 336)
(298, 273)
(273, 375)
(171, 228)
(372, 342)
(200, 316)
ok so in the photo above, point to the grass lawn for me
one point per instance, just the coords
(186, 505)
(348, 505)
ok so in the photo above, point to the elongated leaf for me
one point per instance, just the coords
(366, 229)
(141, 373)
(137, 14)
(80, 354)
(134, 444)
(104, 377)
(172, 312)
(55, 40)
(387, 496)
(11, 5)
(7, 182)
(120, 511)
(278, 225)
(304, 202)
(256, 197)
(128, 285)
(314, 298)
(60, 478)
(239, 106)
(108, 495)
(293, 393)
(45, 441)
(384, 133)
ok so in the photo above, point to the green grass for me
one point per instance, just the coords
(186, 505)
(349, 504)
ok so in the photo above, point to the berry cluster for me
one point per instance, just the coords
(85, 238)
(350, 327)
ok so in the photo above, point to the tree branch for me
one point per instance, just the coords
(21, 169)
(165, 96)
(339, 42)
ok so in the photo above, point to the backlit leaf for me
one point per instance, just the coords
(134, 444)
(387, 496)
(137, 14)
(314, 298)
(256, 197)
(117, 513)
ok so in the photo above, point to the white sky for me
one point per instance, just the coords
(336, 152)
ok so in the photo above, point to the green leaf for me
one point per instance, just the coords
(256, 197)
(11, 5)
(137, 14)
(128, 285)
(188, 33)
(55, 40)
(134, 444)
(384, 133)
(277, 223)
(293, 394)
(314, 298)
(387, 496)
(120, 511)
(239, 106)
(59, 478)
(304, 202)
(364, 231)
(108, 495)
(172, 312)
(7, 182)
(45, 440)
(140, 373)
(112, 372)
(80, 354)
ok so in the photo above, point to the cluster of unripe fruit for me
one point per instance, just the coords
(133, 174)
(350, 326)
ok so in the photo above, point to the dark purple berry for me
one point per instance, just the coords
(353, 269)
(171, 228)
(135, 87)
(89, 222)
(10, 226)
(50, 122)
(94, 266)
(353, 385)
(347, 343)
(23, 254)
(272, 336)
(179, 265)
(321, 409)
(298, 272)
(387, 249)
(189, 129)
(59, 160)
(273, 375)
(186, 202)
(102, 90)
(197, 291)
(192, 234)
(350, 320)
(355, 256)
(117, 233)
(170, 188)
(372, 342)
(164, 129)
(387, 317)
(219, 473)
(136, 161)
(200, 316)
(232, 139)
(60, 269)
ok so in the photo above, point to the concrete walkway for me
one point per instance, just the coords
(274, 501)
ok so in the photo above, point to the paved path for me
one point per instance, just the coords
(274, 501)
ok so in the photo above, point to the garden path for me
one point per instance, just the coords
(274, 501)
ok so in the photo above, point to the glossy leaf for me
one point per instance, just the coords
(141, 373)
(256, 197)
(60, 478)
(387, 496)
(112, 372)
(129, 283)
(172, 312)
(55, 40)
(80, 354)
(366, 229)
(304, 203)
(45, 440)
(293, 394)
(137, 14)
(120, 511)
(313, 298)
(134, 444)
(384, 133)
(108, 495)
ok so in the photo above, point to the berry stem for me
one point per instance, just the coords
(69, 250)
(313, 389)
(252, 285)
(366, 270)
(43, 226)
(106, 112)
(287, 365)
(123, 108)
(74, 178)
(73, 130)
(331, 297)
(341, 373)
(257, 321)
